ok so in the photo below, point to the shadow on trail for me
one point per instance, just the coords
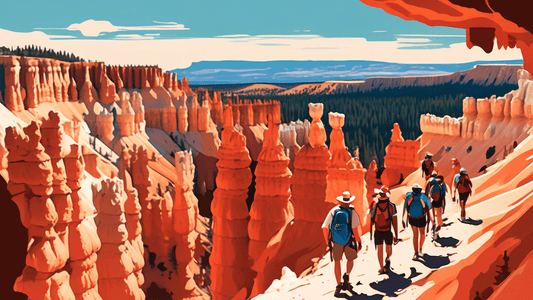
(395, 282)
(447, 241)
(447, 224)
(470, 221)
(356, 296)
(434, 262)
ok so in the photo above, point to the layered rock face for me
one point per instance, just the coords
(47, 251)
(299, 241)
(485, 132)
(345, 173)
(255, 112)
(271, 208)
(230, 267)
(117, 258)
(401, 158)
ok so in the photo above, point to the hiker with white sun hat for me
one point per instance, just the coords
(340, 233)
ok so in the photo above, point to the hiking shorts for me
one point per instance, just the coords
(338, 250)
(436, 204)
(382, 236)
(464, 196)
(418, 222)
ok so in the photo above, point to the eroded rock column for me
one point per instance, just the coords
(47, 254)
(271, 208)
(84, 242)
(115, 264)
(345, 173)
(230, 267)
(185, 215)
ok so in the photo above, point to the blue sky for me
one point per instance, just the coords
(267, 28)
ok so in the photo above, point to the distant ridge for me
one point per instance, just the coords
(479, 77)
(284, 72)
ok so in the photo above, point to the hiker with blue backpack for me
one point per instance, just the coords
(342, 238)
(436, 191)
(383, 218)
(416, 210)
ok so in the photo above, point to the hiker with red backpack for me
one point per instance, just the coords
(383, 218)
(416, 210)
(428, 166)
(463, 185)
(342, 238)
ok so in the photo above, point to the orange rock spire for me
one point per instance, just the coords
(230, 268)
(271, 208)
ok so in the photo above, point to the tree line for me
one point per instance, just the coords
(38, 51)
(369, 117)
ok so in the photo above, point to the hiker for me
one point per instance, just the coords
(463, 185)
(428, 166)
(383, 218)
(456, 167)
(338, 229)
(416, 209)
(437, 195)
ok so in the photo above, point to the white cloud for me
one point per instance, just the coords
(431, 35)
(92, 28)
(180, 53)
(379, 31)
(133, 37)
(406, 40)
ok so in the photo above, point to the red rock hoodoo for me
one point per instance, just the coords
(271, 208)
(301, 240)
(230, 267)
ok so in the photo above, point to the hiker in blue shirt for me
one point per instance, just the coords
(340, 233)
(416, 209)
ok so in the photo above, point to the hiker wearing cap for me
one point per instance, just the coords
(383, 218)
(416, 210)
(463, 185)
(428, 166)
(338, 229)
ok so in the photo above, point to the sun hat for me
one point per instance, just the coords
(462, 171)
(434, 174)
(383, 193)
(417, 187)
(428, 155)
(345, 198)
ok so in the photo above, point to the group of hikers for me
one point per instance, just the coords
(342, 229)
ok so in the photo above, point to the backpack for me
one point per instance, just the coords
(341, 226)
(464, 185)
(378, 217)
(427, 170)
(410, 198)
(438, 191)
